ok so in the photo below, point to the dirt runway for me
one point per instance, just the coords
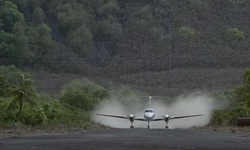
(116, 139)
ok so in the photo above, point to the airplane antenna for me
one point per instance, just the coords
(155, 97)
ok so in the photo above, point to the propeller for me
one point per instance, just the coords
(131, 117)
(166, 118)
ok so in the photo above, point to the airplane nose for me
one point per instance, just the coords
(149, 115)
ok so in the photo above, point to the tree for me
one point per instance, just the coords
(235, 37)
(235, 34)
(185, 37)
(103, 29)
(40, 43)
(243, 92)
(71, 16)
(108, 9)
(157, 32)
(9, 48)
(38, 16)
(9, 15)
(186, 32)
(42, 36)
(17, 85)
(140, 22)
(80, 41)
(24, 92)
(239, 4)
(2, 85)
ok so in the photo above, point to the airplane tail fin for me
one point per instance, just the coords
(150, 99)
(150, 102)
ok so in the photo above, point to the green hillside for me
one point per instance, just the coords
(128, 40)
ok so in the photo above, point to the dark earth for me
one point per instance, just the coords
(113, 139)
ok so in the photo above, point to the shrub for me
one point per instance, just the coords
(46, 113)
(186, 32)
(230, 115)
(235, 33)
(240, 107)
(5, 116)
(82, 94)
(31, 116)
(57, 113)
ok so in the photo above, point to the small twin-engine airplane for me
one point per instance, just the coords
(149, 116)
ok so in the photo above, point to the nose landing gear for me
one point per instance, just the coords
(148, 125)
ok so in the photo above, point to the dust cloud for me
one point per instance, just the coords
(183, 105)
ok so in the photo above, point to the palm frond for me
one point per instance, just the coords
(23, 92)
(20, 105)
(32, 94)
(11, 91)
(13, 103)
(31, 101)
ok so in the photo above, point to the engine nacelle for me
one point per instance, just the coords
(166, 118)
(131, 117)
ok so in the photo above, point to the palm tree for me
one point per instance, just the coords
(1, 84)
(23, 92)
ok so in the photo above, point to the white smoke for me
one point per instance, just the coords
(184, 105)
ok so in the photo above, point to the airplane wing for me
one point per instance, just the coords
(179, 117)
(114, 116)
(139, 119)
(122, 117)
(176, 117)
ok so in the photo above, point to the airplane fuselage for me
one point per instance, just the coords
(149, 115)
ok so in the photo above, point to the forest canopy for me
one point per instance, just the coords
(77, 36)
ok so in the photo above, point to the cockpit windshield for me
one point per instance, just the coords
(149, 110)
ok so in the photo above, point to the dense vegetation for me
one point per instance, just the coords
(149, 44)
(40, 109)
(78, 36)
(79, 97)
(83, 94)
(240, 104)
(20, 102)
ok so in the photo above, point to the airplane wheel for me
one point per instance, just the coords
(166, 127)
(131, 127)
(148, 127)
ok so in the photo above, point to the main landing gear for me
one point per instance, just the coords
(166, 126)
(131, 125)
